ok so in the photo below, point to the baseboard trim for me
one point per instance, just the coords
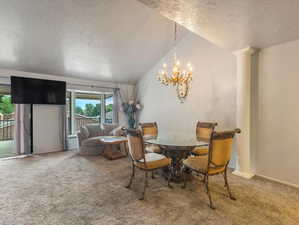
(16, 157)
(242, 174)
(53, 151)
(278, 181)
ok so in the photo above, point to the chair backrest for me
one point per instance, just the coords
(221, 148)
(149, 129)
(135, 143)
(204, 130)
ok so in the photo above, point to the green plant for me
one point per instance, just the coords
(5, 104)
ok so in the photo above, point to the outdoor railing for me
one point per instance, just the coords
(7, 129)
(7, 126)
(81, 121)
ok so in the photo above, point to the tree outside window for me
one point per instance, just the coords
(5, 105)
(88, 108)
(108, 108)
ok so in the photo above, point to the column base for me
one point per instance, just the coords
(243, 174)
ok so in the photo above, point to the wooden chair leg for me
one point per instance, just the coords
(144, 187)
(227, 186)
(132, 176)
(208, 191)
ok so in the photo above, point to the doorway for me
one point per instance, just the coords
(7, 123)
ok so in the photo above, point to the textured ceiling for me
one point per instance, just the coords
(235, 24)
(109, 40)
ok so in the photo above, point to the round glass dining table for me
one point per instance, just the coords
(177, 149)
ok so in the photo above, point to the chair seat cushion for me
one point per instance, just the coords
(153, 161)
(200, 151)
(148, 136)
(152, 148)
(200, 163)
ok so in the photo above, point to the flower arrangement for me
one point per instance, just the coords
(130, 109)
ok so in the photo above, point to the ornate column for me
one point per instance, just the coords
(244, 64)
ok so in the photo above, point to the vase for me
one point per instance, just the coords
(131, 116)
(131, 122)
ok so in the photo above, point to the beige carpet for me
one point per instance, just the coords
(64, 188)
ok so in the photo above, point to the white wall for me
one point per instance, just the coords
(212, 96)
(277, 121)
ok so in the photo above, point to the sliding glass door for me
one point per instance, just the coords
(7, 123)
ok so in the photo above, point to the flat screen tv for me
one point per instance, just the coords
(37, 91)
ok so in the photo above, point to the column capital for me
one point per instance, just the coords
(245, 51)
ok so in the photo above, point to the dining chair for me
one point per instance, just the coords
(216, 162)
(204, 132)
(149, 131)
(144, 161)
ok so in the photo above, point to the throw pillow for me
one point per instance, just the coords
(94, 129)
(84, 132)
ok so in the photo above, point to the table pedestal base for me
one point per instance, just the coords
(177, 156)
(111, 153)
(177, 151)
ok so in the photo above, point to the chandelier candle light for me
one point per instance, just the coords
(178, 77)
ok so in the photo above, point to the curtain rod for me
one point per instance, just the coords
(93, 86)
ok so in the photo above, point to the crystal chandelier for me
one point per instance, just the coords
(178, 77)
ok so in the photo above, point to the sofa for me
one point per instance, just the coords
(88, 137)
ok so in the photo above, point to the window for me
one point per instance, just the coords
(7, 122)
(108, 108)
(85, 108)
(6, 108)
(69, 111)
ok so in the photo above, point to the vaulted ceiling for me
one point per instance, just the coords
(109, 40)
(120, 40)
(235, 24)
